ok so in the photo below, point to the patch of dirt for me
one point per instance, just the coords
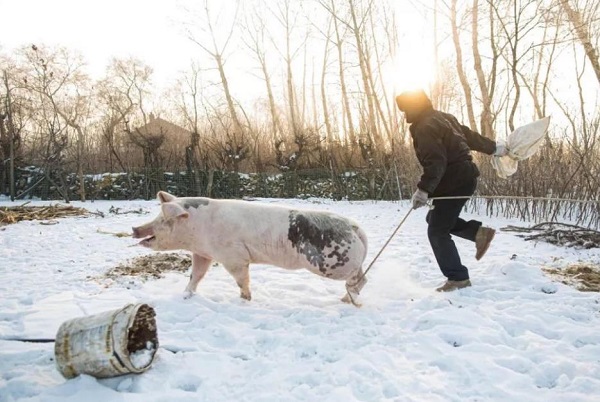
(10, 215)
(143, 330)
(583, 277)
(151, 266)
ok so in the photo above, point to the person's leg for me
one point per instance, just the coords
(472, 230)
(442, 219)
(466, 229)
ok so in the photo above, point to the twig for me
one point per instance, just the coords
(117, 234)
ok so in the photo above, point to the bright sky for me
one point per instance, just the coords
(150, 30)
(101, 30)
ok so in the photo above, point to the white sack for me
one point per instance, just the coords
(521, 144)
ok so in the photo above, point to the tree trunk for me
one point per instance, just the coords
(11, 139)
(228, 97)
(583, 35)
(487, 128)
(364, 71)
(378, 63)
(4, 151)
(514, 72)
(255, 44)
(346, 108)
(80, 137)
(328, 128)
(459, 68)
(209, 185)
(495, 55)
(436, 89)
(80, 175)
(290, 89)
(276, 123)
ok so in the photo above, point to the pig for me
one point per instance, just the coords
(237, 233)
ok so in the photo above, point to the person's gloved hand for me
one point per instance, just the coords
(419, 198)
(501, 150)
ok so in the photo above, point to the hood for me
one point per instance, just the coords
(414, 104)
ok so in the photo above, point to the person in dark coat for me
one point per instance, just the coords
(443, 147)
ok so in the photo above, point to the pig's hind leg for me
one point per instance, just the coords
(241, 274)
(354, 285)
(199, 267)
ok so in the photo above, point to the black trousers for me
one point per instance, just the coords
(444, 221)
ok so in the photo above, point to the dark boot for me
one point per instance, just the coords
(449, 286)
(483, 238)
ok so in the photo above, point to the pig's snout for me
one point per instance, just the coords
(142, 232)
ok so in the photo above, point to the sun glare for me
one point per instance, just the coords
(413, 65)
(412, 68)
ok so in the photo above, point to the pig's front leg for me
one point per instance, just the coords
(199, 267)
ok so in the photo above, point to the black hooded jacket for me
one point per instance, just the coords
(443, 147)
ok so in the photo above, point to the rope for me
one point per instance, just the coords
(30, 340)
(378, 254)
(510, 197)
(387, 242)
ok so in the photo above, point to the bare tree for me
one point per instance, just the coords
(517, 20)
(582, 20)
(288, 17)
(357, 27)
(56, 76)
(122, 97)
(12, 122)
(537, 78)
(188, 96)
(76, 114)
(254, 38)
(149, 142)
(127, 89)
(487, 119)
(459, 66)
(217, 51)
(386, 19)
(341, 30)
(323, 84)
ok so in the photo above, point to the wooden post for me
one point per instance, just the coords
(11, 168)
(11, 142)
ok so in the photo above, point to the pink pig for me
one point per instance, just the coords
(238, 233)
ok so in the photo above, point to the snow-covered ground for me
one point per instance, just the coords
(514, 336)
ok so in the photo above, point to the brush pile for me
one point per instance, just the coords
(560, 234)
(47, 214)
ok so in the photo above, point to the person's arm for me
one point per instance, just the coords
(432, 155)
(478, 142)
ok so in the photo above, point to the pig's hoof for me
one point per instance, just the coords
(351, 300)
(187, 294)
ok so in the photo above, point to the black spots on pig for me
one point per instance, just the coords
(194, 203)
(322, 238)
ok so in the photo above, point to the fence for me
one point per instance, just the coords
(353, 185)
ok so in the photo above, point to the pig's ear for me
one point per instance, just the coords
(163, 197)
(173, 210)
